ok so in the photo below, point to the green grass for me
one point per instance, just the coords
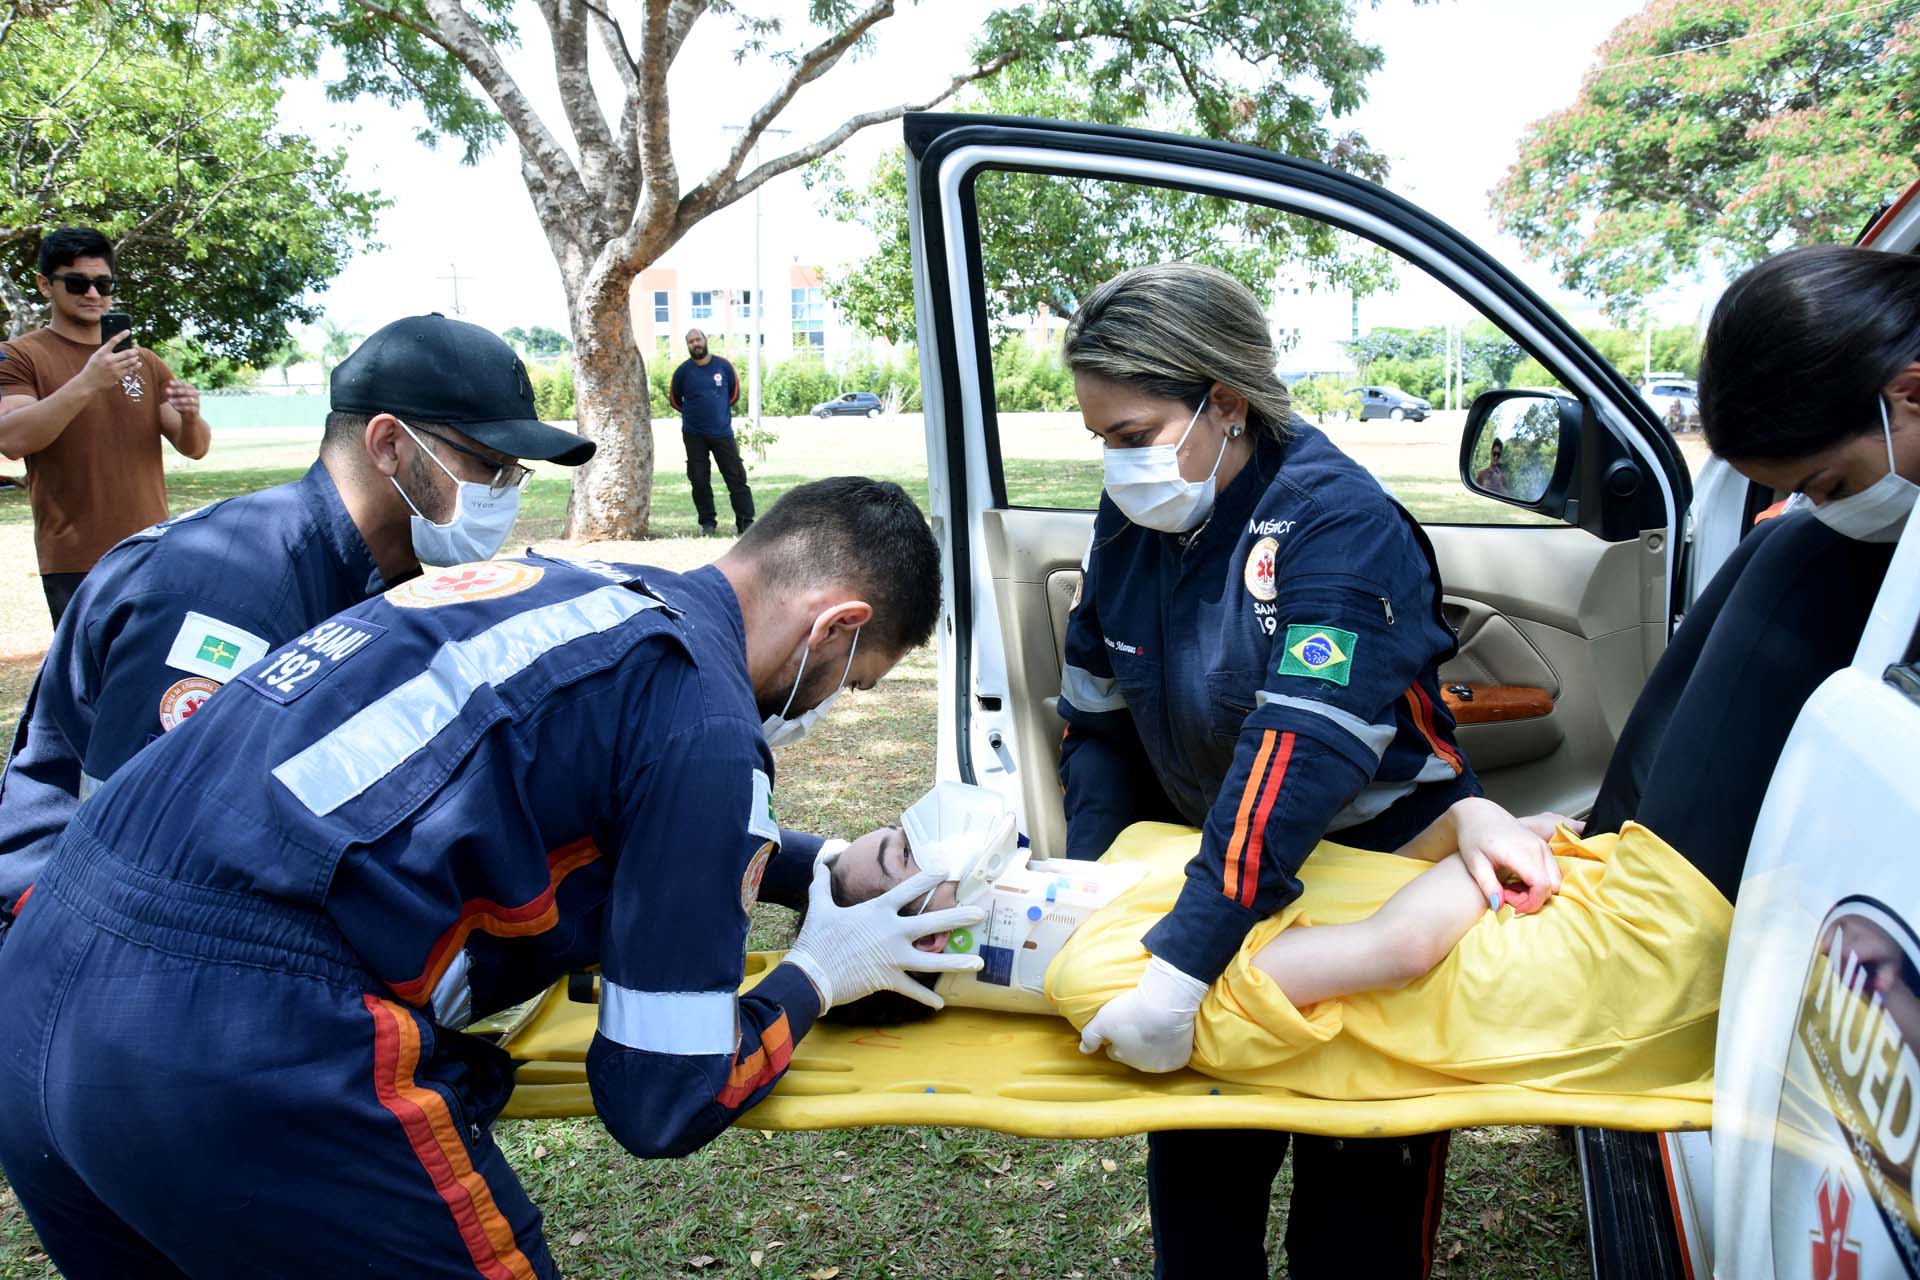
(945, 1203)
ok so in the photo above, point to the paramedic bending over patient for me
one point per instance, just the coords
(1255, 651)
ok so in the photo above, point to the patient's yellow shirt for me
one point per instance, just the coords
(1613, 987)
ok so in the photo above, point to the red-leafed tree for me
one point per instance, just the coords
(1734, 128)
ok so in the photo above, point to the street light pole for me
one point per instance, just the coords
(759, 293)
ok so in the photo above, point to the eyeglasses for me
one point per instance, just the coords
(509, 475)
(77, 284)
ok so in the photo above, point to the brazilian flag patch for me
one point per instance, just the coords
(1325, 653)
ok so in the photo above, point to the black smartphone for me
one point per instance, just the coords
(112, 325)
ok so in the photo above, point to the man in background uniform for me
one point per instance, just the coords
(703, 392)
(429, 415)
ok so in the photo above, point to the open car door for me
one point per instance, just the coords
(1567, 599)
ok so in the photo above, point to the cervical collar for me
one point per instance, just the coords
(965, 832)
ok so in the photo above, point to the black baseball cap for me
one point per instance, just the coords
(458, 375)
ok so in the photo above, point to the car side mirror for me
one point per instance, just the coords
(1519, 447)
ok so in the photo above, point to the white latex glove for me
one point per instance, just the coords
(850, 952)
(1150, 1028)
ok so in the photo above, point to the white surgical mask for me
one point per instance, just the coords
(1878, 512)
(778, 730)
(1147, 486)
(480, 524)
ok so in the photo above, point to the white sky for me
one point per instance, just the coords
(1462, 80)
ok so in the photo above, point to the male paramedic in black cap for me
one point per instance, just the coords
(420, 464)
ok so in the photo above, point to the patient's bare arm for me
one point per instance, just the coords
(1402, 941)
(1416, 928)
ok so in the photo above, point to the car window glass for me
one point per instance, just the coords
(1359, 311)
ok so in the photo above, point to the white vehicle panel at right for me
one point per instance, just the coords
(1817, 1090)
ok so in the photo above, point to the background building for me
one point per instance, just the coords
(706, 282)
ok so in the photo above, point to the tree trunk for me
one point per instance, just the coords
(22, 313)
(612, 494)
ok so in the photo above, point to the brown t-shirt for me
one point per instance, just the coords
(101, 478)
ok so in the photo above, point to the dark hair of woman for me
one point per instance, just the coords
(1800, 346)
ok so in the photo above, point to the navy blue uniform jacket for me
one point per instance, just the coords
(1271, 677)
(490, 776)
(162, 622)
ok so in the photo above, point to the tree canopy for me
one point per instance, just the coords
(606, 185)
(1046, 240)
(155, 122)
(1734, 128)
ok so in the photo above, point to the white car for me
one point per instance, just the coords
(1578, 607)
(1675, 398)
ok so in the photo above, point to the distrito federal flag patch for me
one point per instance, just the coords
(210, 647)
(1322, 652)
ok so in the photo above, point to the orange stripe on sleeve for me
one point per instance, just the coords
(762, 1065)
(1230, 882)
(1250, 876)
(430, 1131)
(1423, 718)
(535, 916)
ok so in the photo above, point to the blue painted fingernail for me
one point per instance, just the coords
(1493, 902)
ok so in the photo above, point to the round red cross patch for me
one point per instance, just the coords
(183, 698)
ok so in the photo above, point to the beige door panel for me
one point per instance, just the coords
(1558, 610)
(1034, 559)
(1554, 609)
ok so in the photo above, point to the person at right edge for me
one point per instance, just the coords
(1254, 651)
(1809, 385)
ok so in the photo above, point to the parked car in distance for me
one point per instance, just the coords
(1675, 397)
(1389, 402)
(864, 403)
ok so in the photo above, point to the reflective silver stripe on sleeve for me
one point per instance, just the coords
(1089, 692)
(88, 784)
(452, 998)
(1374, 737)
(373, 742)
(682, 1022)
(1374, 799)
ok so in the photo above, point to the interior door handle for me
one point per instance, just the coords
(1492, 703)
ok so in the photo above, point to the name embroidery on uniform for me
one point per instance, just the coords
(1121, 646)
(312, 658)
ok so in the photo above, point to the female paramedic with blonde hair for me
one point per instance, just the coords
(1255, 652)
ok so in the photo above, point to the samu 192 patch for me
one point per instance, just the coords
(312, 658)
(1324, 653)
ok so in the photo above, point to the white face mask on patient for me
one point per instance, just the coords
(1878, 513)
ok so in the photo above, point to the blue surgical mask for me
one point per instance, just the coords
(480, 524)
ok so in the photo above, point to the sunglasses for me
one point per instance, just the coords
(77, 284)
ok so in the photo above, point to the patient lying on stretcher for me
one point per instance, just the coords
(1389, 966)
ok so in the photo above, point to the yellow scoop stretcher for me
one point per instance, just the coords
(1599, 1010)
(1024, 1074)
